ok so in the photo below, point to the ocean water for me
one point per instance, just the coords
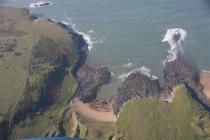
(127, 34)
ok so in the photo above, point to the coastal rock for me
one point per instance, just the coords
(136, 85)
(182, 71)
(91, 79)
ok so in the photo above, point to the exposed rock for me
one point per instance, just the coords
(184, 71)
(91, 79)
(136, 85)
(181, 71)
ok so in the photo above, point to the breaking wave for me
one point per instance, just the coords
(40, 4)
(128, 65)
(86, 35)
(143, 70)
(175, 37)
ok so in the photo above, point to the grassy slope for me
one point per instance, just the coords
(12, 68)
(38, 125)
(91, 130)
(149, 119)
(16, 25)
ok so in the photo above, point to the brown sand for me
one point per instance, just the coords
(94, 114)
(205, 81)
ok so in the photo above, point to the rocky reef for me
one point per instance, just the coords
(91, 79)
(136, 85)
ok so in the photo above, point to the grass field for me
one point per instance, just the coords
(19, 35)
(149, 119)
(39, 124)
(92, 130)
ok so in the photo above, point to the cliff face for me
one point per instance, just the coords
(184, 71)
(91, 79)
(181, 71)
(136, 85)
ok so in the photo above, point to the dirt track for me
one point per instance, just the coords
(86, 111)
(205, 81)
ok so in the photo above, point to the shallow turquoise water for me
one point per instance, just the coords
(133, 29)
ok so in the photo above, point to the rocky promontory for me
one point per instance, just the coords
(181, 71)
(91, 79)
(136, 85)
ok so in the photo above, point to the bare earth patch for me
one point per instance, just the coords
(97, 111)
(205, 81)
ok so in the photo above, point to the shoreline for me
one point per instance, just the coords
(81, 56)
(97, 110)
(205, 82)
(102, 74)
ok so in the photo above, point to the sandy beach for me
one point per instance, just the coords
(89, 112)
(205, 81)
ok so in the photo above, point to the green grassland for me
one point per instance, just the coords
(48, 121)
(91, 130)
(149, 119)
(13, 68)
(15, 25)
(35, 50)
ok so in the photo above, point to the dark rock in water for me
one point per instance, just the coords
(45, 4)
(91, 79)
(136, 85)
(176, 37)
(181, 71)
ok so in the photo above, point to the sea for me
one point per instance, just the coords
(128, 34)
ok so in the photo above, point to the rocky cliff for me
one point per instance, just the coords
(136, 85)
(182, 70)
(91, 79)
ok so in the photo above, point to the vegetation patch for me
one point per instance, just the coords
(184, 118)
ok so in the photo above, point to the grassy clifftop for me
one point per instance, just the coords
(36, 57)
(148, 119)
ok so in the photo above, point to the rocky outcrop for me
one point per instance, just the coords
(181, 71)
(136, 85)
(91, 79)
(184, 71)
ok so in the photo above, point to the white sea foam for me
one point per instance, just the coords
(40, 4)
(86, 36)
(129, 64)
(175, 37)
(112, 73)
(91, 31)
(143, 70)
(206, 71)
